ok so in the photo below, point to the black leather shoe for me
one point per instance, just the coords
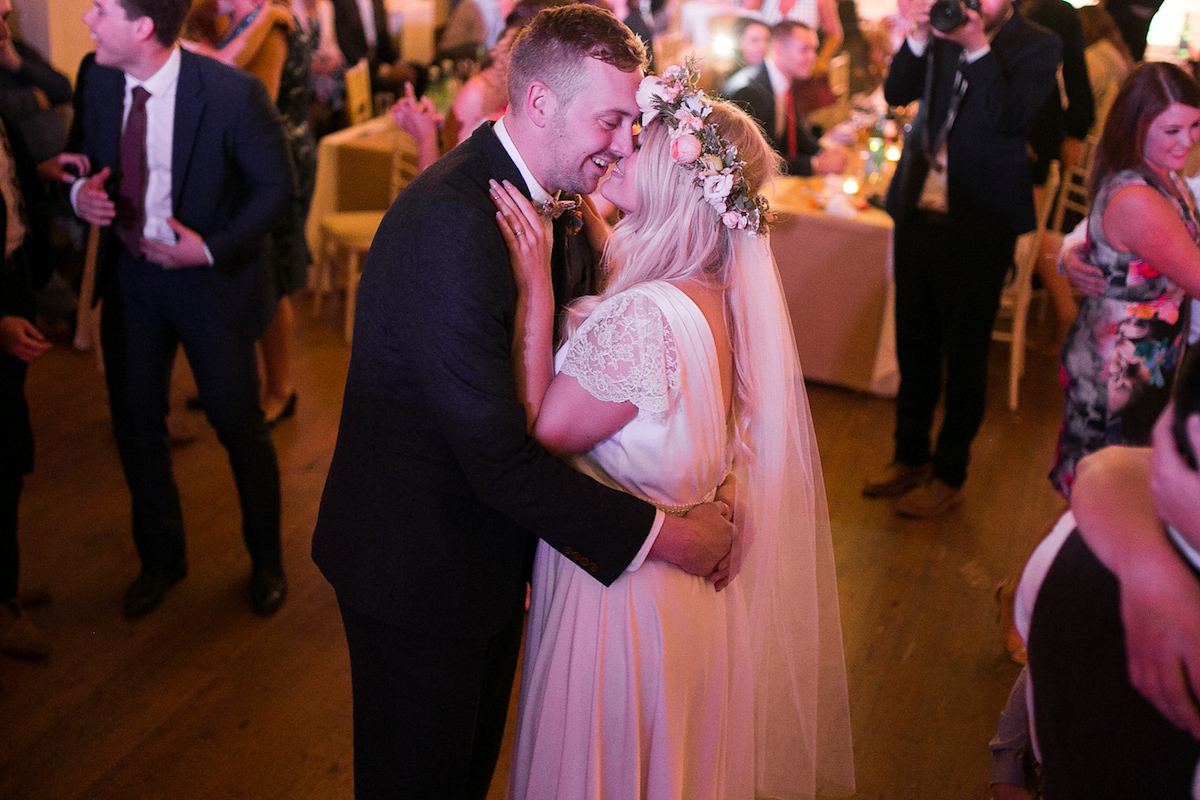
(147, 592)
(268, 589)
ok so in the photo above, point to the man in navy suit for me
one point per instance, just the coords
(436, 492)
(960, 196)
(179, 267)
(766, 90)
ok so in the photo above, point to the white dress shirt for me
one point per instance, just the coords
(160, 132)
(367, 11)
(779, 87)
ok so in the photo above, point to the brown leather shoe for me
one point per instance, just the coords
(930, 500)
(896, 479)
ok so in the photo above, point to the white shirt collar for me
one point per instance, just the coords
(162, 82)
(536, 193)
(779, 81)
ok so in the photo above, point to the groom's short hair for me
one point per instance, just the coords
(551, 48)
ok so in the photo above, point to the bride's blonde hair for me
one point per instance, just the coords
(674, 234)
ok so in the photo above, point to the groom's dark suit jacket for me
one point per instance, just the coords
(436, 494)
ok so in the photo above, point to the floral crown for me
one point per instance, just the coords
(698, 146)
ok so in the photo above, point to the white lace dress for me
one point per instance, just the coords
(627, 691)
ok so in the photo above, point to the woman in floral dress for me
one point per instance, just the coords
(1120, 355)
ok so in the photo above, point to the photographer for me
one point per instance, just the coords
(961, 194)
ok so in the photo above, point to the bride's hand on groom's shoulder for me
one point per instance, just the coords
(524, 234)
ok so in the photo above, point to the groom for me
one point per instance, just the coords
(436, 493)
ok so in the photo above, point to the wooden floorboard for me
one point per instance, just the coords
(202, 699)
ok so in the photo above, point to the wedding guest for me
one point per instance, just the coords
(474, 26)
(362, 32)
(180, 269)
(817, 15)
(1110, 723)
(316, 18)
(31, 91)
(23, 231)
(1133, 20)
(768, 92)
(1120, 354)
(264, 38)
(1108, 59)
(960, 196)
(1058, 130)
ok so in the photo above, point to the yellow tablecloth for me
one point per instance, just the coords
(354, 173)
(837, 276)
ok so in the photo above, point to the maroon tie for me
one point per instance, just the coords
(131, 189)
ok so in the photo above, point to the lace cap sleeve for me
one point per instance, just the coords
(624, 352)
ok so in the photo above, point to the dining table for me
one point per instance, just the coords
(834, 252)
(354, 173)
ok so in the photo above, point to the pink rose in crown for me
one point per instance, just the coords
(690, 123)
(732, 219)
(685, 149)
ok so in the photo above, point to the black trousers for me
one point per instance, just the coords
(429, 710)
(10, 496)
(948, 284)
(148, 313)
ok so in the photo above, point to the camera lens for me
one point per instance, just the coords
(946, 15)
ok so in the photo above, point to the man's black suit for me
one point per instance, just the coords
(352, 39)
(231, 179)
(750, 88)
(436, 494)
(1097, 735)
(950, 267)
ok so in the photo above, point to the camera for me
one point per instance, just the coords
(946, 15)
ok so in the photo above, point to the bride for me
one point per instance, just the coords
(663, 685)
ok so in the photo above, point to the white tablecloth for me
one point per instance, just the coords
(354, 173)
(837, 276)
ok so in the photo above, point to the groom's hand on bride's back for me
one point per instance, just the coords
(699, 542)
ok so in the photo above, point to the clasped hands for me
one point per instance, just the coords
(95, 206)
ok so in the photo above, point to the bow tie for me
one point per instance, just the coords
(560, 203)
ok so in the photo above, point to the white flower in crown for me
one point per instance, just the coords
(716, 189)
(698, 146)
(649, 90)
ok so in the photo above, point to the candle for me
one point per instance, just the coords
(893, 153)
(850, 186)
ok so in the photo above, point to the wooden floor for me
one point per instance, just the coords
(202, 699)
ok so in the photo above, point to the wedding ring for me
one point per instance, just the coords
(519, 232)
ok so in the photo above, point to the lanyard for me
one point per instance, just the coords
(932, 148)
